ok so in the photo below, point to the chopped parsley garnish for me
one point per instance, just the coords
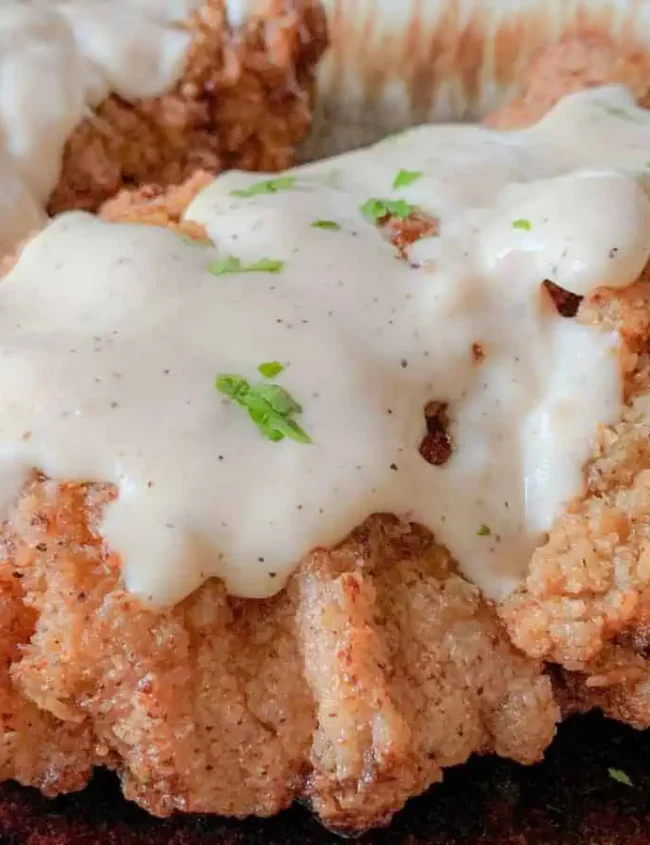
(620, 776)
(618, 111)
(266, 186)
(484, 531)
(270, 407)
(521, 223)
(376, 209)
(270, 369)
(232, 264)
(406, 177)
(332, 225)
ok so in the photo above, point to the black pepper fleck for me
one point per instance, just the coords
(393, 467)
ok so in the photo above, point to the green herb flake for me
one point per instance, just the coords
(484, 531)
(279, 399)
(405, 178)
(269, 406)
(232, 264)
(270, 369)
(521, 223)
(265, 265)
(232, 386)
(623, 114)
(620, 776)
(221, 266)
(375, 209)
(266, 186)
(330, 225)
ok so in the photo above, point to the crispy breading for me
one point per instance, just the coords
(156, 205)
(35, 747)
(586, 600)
(376, 667)
(244, 100)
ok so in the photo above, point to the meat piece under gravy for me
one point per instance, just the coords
(377, 667)
(352, 689)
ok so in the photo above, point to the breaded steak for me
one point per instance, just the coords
(375, 668)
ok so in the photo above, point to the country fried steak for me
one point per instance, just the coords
(352, 689)
(379, 664)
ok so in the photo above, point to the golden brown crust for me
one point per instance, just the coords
(155, 205)
(244, 100)
(352, 688)
(586, 600)
(35, 747)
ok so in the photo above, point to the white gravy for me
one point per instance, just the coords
(113, 334)
(58, 60)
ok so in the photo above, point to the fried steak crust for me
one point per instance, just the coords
(244, 100)
(351, 689)
(586, 601)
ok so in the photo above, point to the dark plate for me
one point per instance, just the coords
(570, 799)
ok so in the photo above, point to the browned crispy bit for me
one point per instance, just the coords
(565, 302)
(478, 352)
(404, 231)
(155, 205)
(436, 446)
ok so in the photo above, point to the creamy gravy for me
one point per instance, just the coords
(58, 60)
(113, 334)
